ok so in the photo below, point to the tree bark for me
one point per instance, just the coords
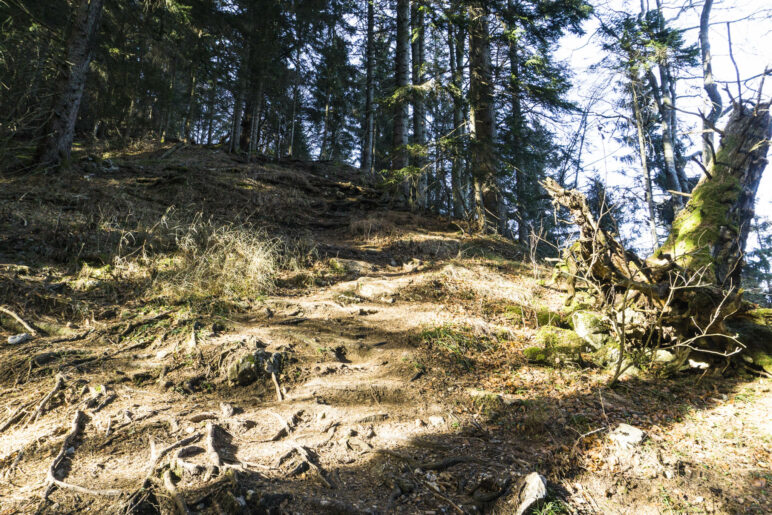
(60, 130)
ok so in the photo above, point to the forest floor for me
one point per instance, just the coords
(402, 386)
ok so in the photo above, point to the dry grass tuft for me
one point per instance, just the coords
(216, 261)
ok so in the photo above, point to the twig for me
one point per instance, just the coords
(58, 386)
(178, 500)
(21, 321)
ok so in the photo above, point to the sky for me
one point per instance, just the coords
(751, 33)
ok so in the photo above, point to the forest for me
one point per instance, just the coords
(385, 256)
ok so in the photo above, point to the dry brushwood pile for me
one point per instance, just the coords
(184, 332)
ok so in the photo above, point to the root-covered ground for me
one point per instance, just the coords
(400, 384)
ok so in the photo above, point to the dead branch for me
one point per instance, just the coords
(21, 321)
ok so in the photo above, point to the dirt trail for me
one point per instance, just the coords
(404, 390)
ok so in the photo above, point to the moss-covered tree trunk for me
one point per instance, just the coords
(688, 292)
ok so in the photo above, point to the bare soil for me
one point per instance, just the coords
(404, 387)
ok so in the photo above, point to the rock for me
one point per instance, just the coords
(436, 420)
(591, 328)
(419, 423)
(250, 367)
(226, 409)
(627, 436)
(526, 492)
(556, 345)
(663, 356)
(16, 339)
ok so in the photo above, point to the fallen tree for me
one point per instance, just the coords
(687, 296)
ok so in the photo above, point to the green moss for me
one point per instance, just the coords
(697, 227)
(553, 337)
(535, 354)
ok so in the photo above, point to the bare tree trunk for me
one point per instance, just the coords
(191, 101)
(709, 84)
(399, 158)
(60, 130)
(482, 119)
(367, 129)
(644, 162)
(456, 52)
(419, 107)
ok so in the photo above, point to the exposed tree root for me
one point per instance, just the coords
(51, 480)
(43, 403)
(15, 416)
(155, 458)
(432, 465)
(179, 502)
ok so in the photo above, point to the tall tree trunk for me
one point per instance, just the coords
(366, 161)
(238, 106)
(516, 127)
(481, 115)
(638, 117)
(709, 84)
(399, 158)
(60, 130)
(456, 52)
(191, 102)
(419, 107)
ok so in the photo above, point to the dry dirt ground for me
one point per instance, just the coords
(402, 389)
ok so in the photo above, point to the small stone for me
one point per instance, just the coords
(321, 415)
(189, 429)
(226, 409)
(419, 422)
(436, 420)
(668, 474)
(19, 338)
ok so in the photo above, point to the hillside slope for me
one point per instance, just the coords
(167, 284)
